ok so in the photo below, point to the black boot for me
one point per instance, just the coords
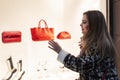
(20, 72)
(11, 68)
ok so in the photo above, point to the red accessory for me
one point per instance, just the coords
(41, 34)
(11, 36)
(64, 35)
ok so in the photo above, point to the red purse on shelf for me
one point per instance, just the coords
(11, 36)
(42, 34)
(64, 35)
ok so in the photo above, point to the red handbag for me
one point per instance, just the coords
(64, 35)
(42, 34)
(11, 36)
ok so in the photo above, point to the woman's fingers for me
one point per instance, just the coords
(51, 45)
(54, 46)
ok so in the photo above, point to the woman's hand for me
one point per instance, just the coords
(54, 46)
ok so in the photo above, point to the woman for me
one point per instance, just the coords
(96, 60)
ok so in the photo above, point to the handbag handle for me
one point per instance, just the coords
(39, 24)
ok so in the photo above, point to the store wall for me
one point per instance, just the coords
(116, 27)
(21, 15)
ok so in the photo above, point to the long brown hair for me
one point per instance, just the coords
(98, 33)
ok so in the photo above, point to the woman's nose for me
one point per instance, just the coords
(80, 24)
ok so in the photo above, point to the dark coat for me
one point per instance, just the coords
(90, 67)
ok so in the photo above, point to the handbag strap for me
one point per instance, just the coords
(39, 24)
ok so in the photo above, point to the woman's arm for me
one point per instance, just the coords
(76, 63)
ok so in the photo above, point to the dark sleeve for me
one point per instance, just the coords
(78, 63)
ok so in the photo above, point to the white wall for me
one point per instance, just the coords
(24, 14)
